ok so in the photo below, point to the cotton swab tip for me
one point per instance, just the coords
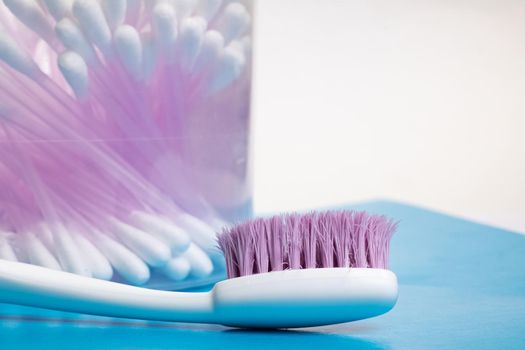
(15, 57)
(69, 255)
(229, 68)
(72, 37)
(211, 49)
(91, 18)
(177, 269)
(184, 8)
(234, 21)
(37, 253)
(150, 249)
(6, 250)
(129, 48)
(191, 33)
(58, 8)
(208, 8)
(115, 11)
(98, 263)
(161, 228)
(201, 264)
(31, 14)
(75, 71)
(125, 262)
(164, 25)
(201, 233)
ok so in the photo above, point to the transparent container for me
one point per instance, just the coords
(125, 130)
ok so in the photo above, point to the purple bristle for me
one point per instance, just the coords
(295, 240)
(310, 229)
(325, 235)
(261, 247)
(276, 249)
(341, 238)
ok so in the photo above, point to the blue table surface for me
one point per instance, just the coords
(462, 286)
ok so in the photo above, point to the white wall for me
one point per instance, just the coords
(419, 101)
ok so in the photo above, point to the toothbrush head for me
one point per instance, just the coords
(332, 239)
(306, 270)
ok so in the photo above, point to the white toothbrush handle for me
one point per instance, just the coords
(31, 285)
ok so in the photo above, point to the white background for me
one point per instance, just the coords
(411, 100)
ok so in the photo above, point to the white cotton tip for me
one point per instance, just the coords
(15, 57)
(72, 37)
(45, 235)
(115, 11)
(164, 25)
(98, 263)
(229, 68)
(233, 21)
(243, 45)
(177, 268)
(148, 248)
(31, 14)
(208, 8)
(149, 56)
(70, 257)
(75, 71)
(59, 8)
(218, 224)
(184, 8)
(6, 250)
(129, 48)
(150, 5)
(200, 262)
(125, 262)
(42, 57)
(196, 228)
(192, 31)
(237, 49)
(162, 229)
(200, 232)
(37, 253)
(211, 50)
(93, 23)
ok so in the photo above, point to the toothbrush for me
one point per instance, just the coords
(284, 272)
(103, 106)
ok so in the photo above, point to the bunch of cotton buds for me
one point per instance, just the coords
(123, 126)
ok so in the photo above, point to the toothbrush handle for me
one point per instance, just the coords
(31, 285)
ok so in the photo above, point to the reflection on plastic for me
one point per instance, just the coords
(61, 330)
